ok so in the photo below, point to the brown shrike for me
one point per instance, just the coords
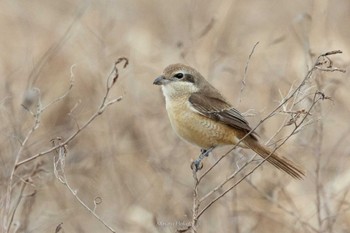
(199, 114)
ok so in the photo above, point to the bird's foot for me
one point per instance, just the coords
(197, 164)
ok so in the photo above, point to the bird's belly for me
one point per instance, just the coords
(200, 130)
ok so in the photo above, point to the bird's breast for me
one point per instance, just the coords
(196, 128)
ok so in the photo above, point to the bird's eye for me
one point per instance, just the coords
(179, 75)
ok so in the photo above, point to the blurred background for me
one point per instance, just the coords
(129, 156)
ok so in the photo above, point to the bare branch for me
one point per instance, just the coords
(8, 217)
(104, 104)
(282, 207)
(71, 84)
(243, 82)
(18, 155)
(59, 166)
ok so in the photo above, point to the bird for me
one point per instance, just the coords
(200, 115)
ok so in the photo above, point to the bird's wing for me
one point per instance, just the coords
(216, 108)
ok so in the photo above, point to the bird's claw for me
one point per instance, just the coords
(197, 165)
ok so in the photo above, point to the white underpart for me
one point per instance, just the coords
(178, 89)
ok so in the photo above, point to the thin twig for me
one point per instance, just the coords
(37, 116)
(318, 181)
(282, 207)
(104, 104)
(19, 153)
(243, 82)
(20, 195)
(59, 171)
(195, 206)
(71, 84)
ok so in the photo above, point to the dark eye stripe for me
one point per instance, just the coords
(189, 78)
(184, 77)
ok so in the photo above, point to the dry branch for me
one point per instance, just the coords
(8, 214)
(59, 171)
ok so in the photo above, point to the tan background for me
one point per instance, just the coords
(129, 156)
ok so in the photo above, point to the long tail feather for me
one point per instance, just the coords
(280, 162)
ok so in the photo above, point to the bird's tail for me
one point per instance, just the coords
(280, 162)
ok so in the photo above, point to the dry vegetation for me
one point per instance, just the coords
(126, 171)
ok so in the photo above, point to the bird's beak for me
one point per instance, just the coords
(160, 80)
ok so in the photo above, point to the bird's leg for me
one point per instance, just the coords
(197, 164)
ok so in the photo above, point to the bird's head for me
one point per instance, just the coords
(179, 80)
